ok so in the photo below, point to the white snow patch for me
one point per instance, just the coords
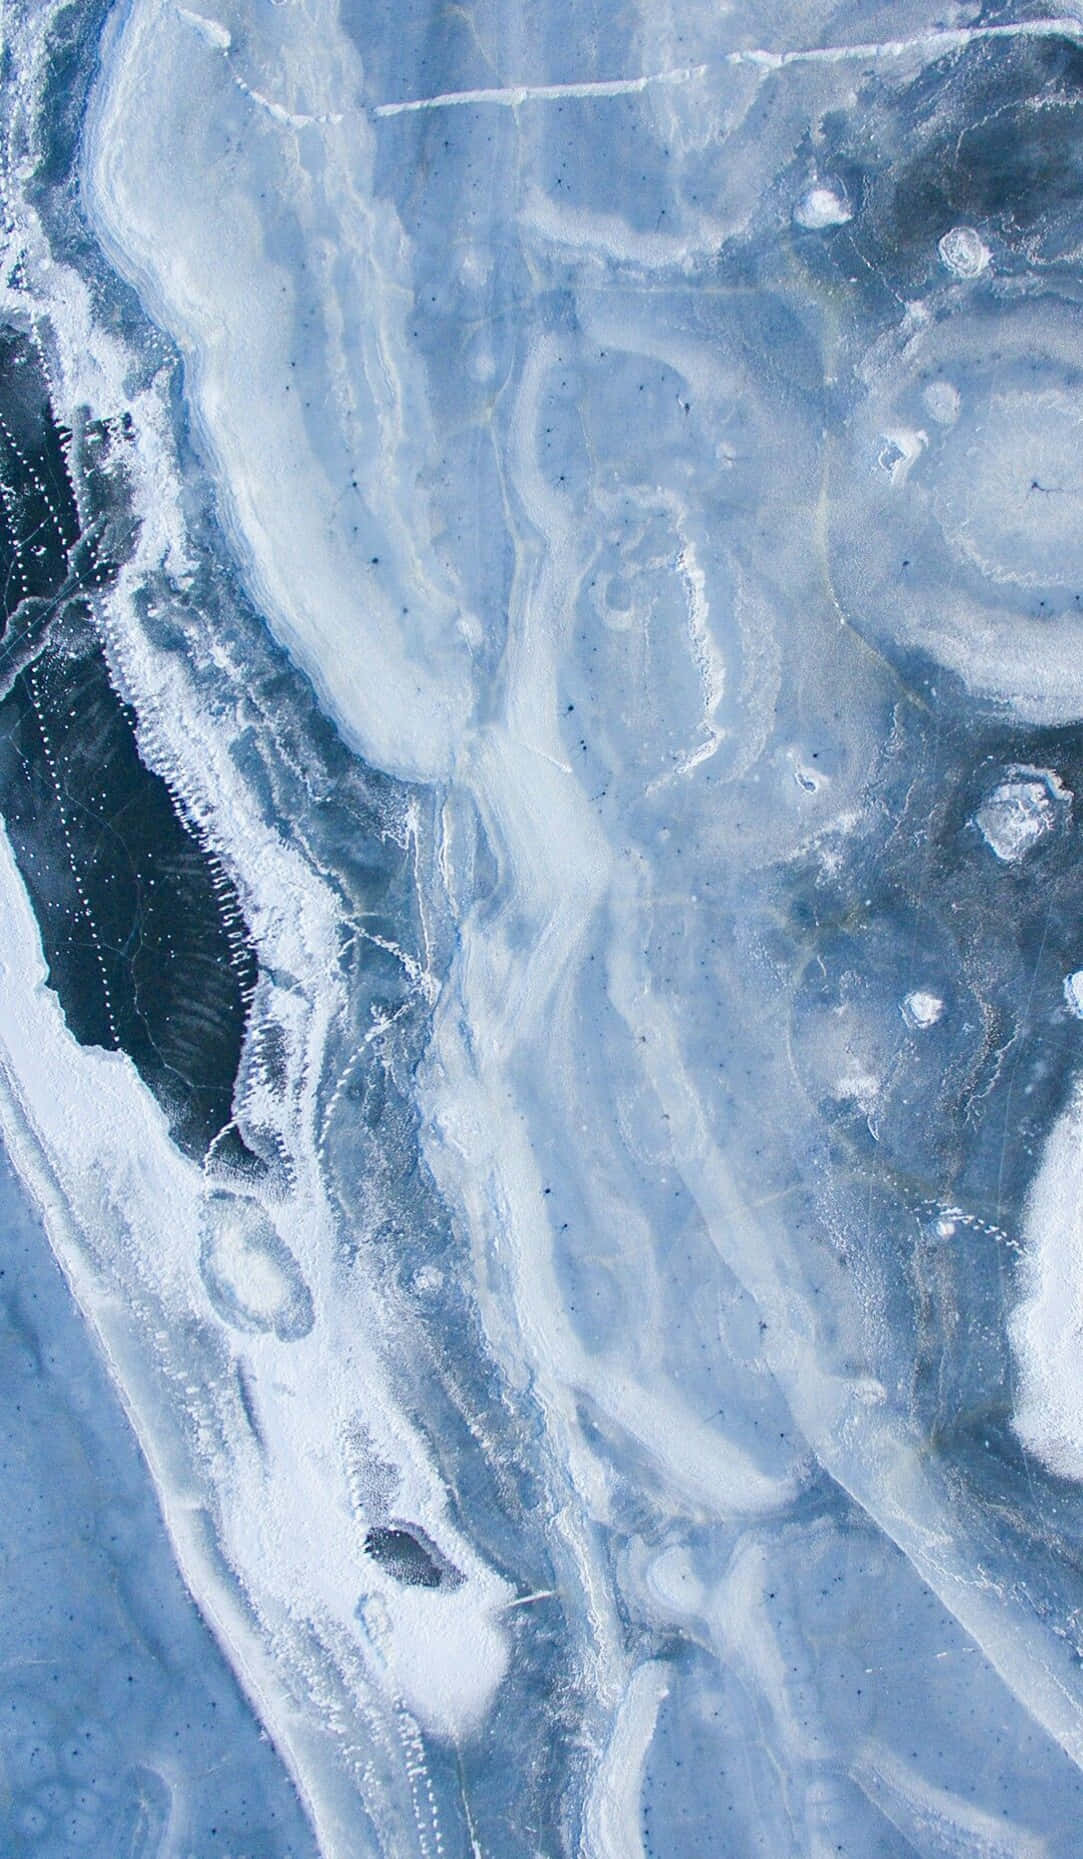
(822, 206)
(920, 1009)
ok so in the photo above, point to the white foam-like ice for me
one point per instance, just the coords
(1019, 812)
(922, 1009)
(821, 206)
(285, 1518)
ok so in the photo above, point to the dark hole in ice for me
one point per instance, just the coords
(409, 1560)
(141, 931)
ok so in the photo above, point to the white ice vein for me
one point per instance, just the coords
(929, 44)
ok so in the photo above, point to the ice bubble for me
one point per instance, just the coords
(1019, 811)
(964, 252)
(1073, 992)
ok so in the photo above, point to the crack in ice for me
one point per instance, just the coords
(931, 44)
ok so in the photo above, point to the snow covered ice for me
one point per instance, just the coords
(541, 930)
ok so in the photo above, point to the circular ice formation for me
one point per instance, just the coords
(963, 252)
(249, 1273)
(1073, 993)
(971, 551)
(821, 206)
(1019, 811)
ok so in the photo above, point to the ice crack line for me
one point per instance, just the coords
(542, 93)
(929, 44)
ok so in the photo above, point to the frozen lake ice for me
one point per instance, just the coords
(540, 901)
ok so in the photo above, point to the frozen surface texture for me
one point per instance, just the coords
(541, 930)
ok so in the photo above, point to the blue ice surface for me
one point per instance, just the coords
(819, 1696)
(123, 1732)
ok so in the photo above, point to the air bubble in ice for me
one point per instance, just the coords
(964, 252)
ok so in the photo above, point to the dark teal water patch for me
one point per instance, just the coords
(141, 929)
(39, 524)
(410, 1558)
